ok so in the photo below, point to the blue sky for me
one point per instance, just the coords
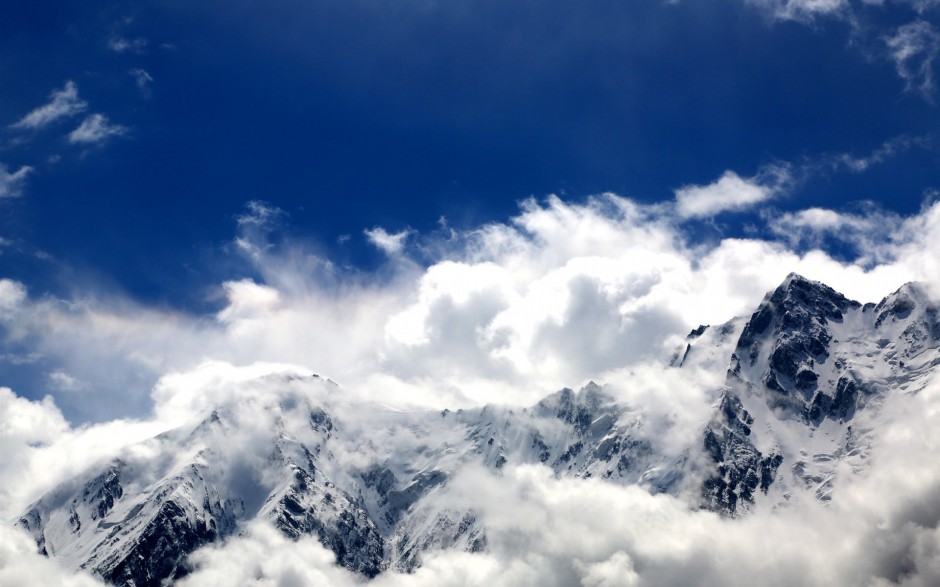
(134, 137)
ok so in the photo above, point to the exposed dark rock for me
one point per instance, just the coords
(160, 551)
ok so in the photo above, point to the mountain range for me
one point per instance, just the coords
(804, 378)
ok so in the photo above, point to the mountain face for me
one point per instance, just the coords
(806, 374)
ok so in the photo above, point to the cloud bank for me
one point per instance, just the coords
(506, 312)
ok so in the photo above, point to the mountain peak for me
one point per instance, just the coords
(797, 289)
(798, 304)
(794, 277)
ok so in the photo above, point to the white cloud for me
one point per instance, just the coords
(391, 244)
(142, 79)
(94, 129)
(248, 300)
(28, 423)
(12, 296)
(63, 104)
(920, 6)
(39, 448)
(264, 557)
(729, 193)
(887, 149)
(20, 564)
(120, 44)
(11, 184)
(802, 10)
(885, 242)
(62, 381)
(254, 226)
(914, 48)
(871, 233)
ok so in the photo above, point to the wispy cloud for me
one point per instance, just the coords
(62, 104)
(120, 44)
(142, 79)
(731, 192)
(885, 151)
(254, 226)
(914, 47)
(95, 129)
(389, 243)
(62, 381)
(11, 184)
(871, 232)
(801, 10)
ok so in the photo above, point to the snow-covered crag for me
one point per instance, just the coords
(805, 376)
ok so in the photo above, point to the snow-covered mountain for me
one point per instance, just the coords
(806, 374)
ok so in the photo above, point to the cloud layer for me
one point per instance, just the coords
(506, 312)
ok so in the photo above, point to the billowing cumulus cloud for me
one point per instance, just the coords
(507, 312)
(20, 564)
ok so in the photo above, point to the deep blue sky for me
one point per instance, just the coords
(349, 114)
